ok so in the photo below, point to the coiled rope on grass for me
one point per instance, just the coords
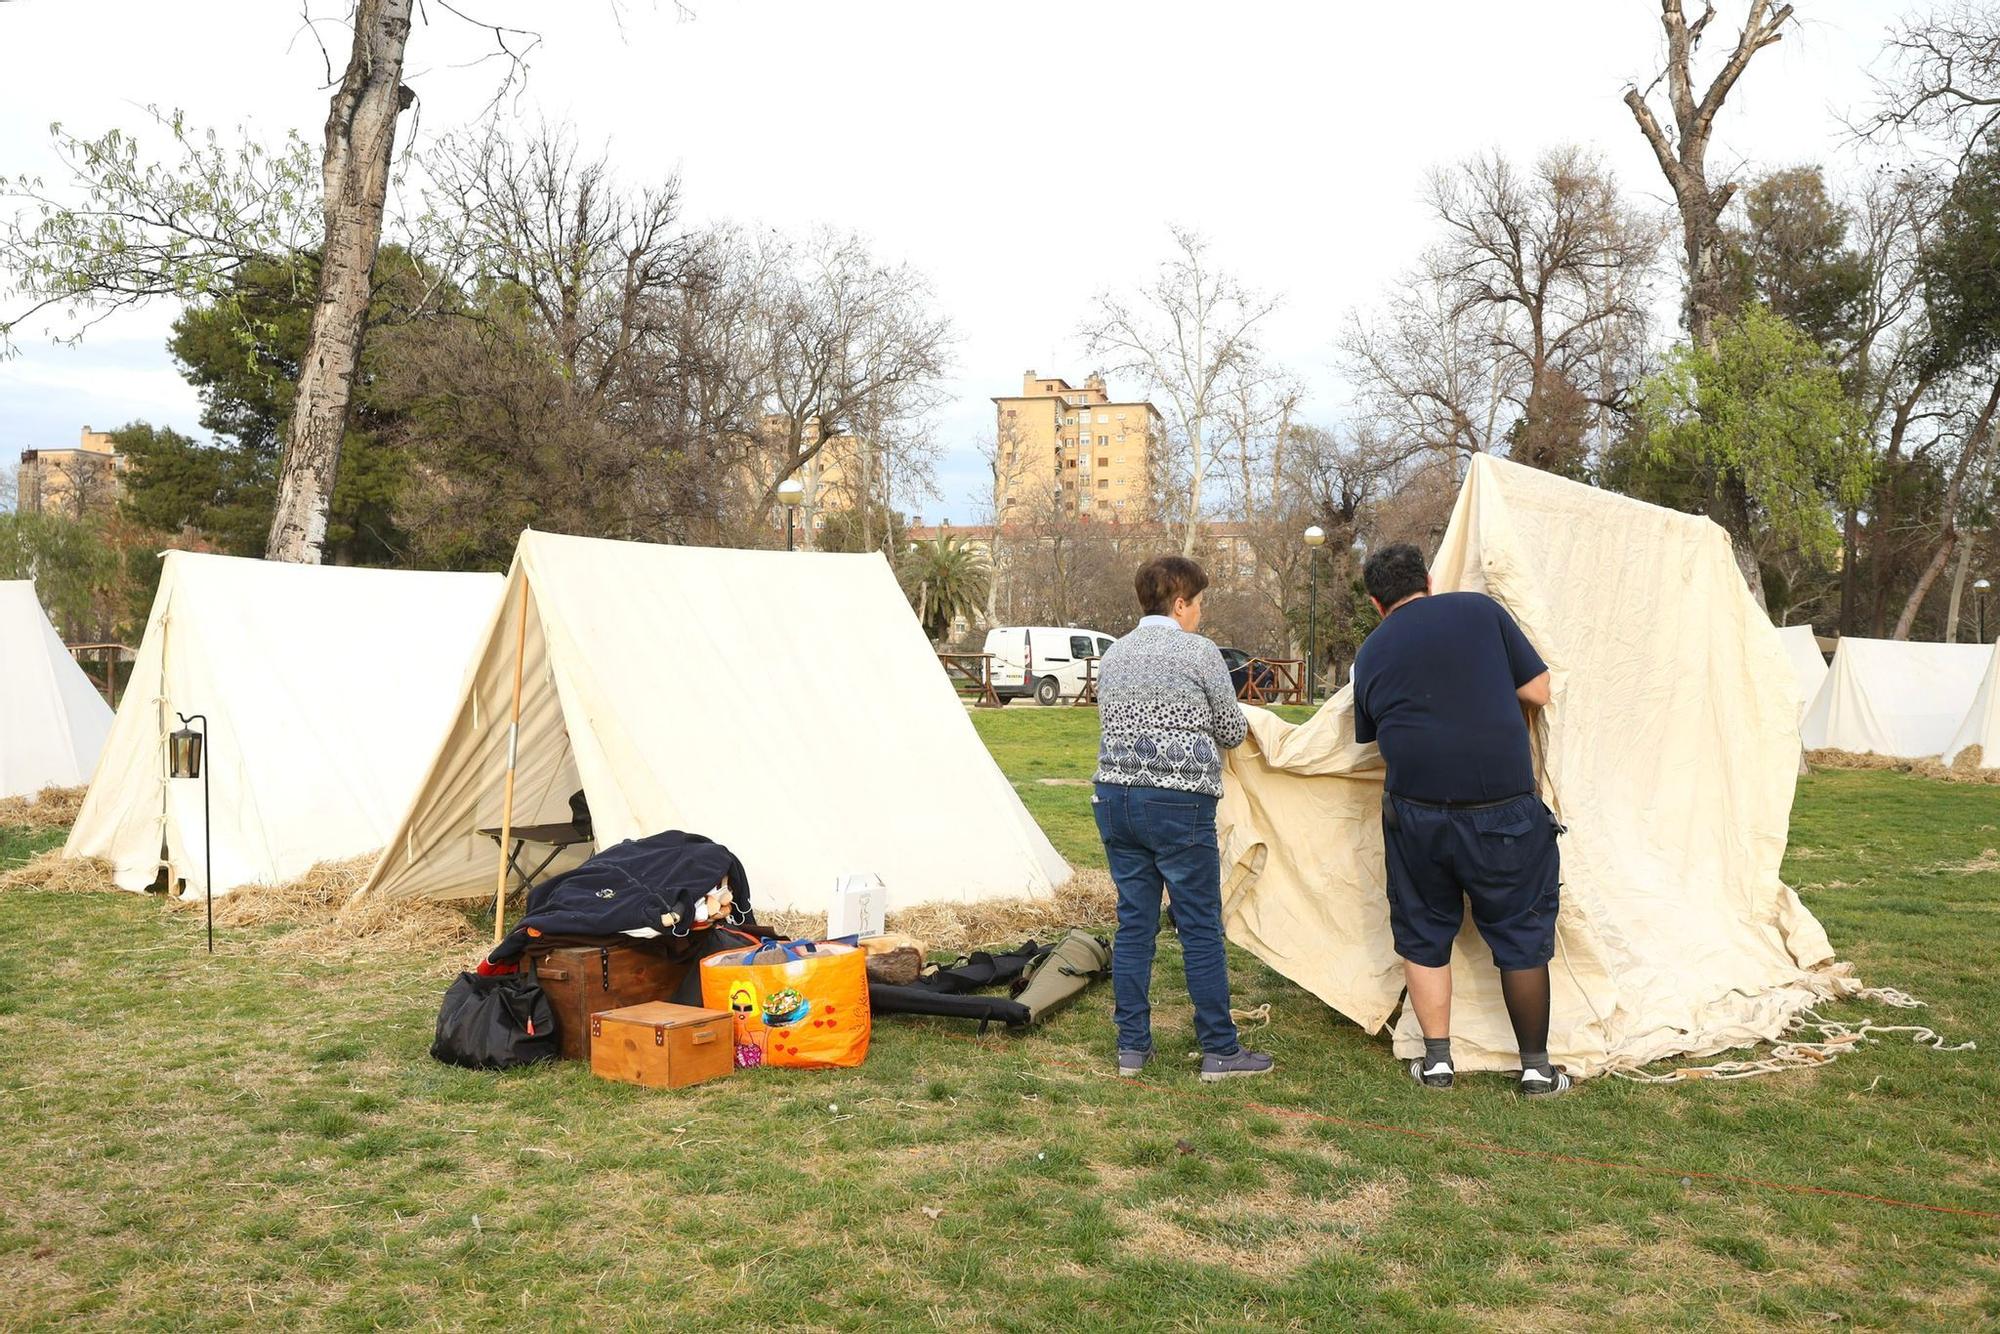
(1820, 1042)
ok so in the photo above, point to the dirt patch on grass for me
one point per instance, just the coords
(1087, 900)
(1964, 770)
(1987, 860)
(1271, 1232)
(51, 808)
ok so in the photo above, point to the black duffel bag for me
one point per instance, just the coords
(495, 1023)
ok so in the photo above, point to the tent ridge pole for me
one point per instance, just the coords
(513, 738)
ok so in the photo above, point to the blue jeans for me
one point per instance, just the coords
(1154, 837)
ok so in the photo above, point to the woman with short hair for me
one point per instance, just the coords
(1168, 711)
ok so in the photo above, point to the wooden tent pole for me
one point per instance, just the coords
(513, 751)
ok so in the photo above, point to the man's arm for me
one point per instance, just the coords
(1531, 674)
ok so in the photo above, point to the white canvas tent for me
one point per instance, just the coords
(52, 720)
(325, 688)
(1670, 750)
(1895, 697)
(1808, 663)
(1981, 724)
(785, 704)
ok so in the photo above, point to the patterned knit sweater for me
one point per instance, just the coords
(1167, 709)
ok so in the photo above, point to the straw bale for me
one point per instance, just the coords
(51, 808)
(1088, 900)
(1965, 769)
(63, 875)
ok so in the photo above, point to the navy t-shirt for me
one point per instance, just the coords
(1434, 689)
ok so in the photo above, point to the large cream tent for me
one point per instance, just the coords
(1895, 697)
(1981, 724)
(785, 704)
(1808, 663)
(325, 688)
(1670, 749)
(52, 720)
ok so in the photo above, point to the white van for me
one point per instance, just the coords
(1045, 661)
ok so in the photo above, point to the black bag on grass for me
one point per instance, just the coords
(495, 1023)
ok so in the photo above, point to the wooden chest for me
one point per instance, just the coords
(662, 1046)
(581, 980)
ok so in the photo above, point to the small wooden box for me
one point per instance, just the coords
(661, 1045)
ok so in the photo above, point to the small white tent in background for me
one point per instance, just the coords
(1981, 725)
(52, 720)
(1808, 663)
(1894, 697)
(326, 689)
(785, 704)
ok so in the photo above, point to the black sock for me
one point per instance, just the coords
(1526, 992)
(1537, 1061)
(1435, 1050)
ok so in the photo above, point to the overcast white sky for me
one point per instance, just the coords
(1296, 136)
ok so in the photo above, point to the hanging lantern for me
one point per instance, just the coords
(184, 752)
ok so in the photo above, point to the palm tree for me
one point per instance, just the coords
(944, 579)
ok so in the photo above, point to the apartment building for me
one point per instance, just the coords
(834, 479)
(1075, 446)
(71, 482)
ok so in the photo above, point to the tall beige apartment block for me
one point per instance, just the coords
(71, 482)
(1071, 450)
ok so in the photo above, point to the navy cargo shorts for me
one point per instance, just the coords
(1499, 855)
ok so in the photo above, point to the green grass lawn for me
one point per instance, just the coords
(260, 1139)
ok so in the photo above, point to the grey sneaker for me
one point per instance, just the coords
(1535, 1084)
(1130, 1063)
(1242, 1061)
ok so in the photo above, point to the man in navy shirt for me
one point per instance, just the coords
(1442, 686)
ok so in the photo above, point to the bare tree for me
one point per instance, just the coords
(360, 141)
(843, 345)
(1682, 151)
(1186, 334)
(1426, 370)
(1552, 266)
(1943, 79)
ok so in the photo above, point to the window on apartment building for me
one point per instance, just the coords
(1120, 504)
(1103, 461)
(1103, 441)
(1069, 463)
(1010, 412)
(1104, 484)
(1101, 419)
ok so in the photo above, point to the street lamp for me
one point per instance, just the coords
(1315, 538)
(1979, 586)
(791, 492)
(184, 748)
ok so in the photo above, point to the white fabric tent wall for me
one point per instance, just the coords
(1894, 697)
(1671, 749)
(785, 704)
(325, 688)
(1808, 663)
(1981, 725)
(52, 720)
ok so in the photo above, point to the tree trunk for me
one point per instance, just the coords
(1194, 487)
(1850, 550)
(1957, 592)
(1976, 442)
(360, 142)
(1736, 522)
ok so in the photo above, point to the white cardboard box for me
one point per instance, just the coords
(860, 906)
